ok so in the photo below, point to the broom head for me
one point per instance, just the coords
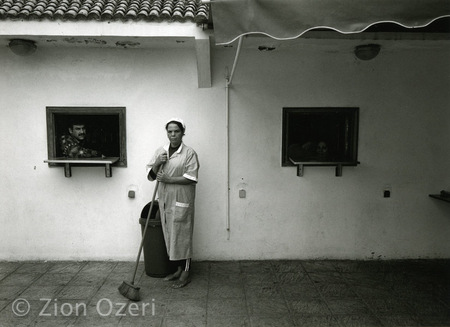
(130, 291)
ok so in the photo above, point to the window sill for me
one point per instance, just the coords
(300, 165)
(87, 162)
(442, 197)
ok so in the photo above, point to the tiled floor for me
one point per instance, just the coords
(238, 293)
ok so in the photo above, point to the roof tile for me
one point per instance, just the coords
(180, 10)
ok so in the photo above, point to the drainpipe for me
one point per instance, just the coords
(228, 80)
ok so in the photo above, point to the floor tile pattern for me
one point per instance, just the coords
(229, 293)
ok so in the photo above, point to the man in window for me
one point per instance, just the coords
(72, 145)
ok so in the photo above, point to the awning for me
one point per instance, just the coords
(289, 19)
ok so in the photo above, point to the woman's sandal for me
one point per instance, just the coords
(172, 277)
(181, 283)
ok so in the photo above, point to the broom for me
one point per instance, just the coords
(129, 289)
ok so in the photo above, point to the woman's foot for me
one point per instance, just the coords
(176, 275)
(182, 281)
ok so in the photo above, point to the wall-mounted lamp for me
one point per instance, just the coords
(266, 48)
(367, 51)
(22, 47)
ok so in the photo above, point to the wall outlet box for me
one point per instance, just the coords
(242, 193)
(387, 190)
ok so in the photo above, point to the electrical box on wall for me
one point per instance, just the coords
(387, 191)
(242, 193)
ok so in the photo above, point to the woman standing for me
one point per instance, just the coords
(176, 166)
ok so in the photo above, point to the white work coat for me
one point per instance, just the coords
(176, 201)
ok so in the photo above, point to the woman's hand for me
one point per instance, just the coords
(163, 177)
(161, 159)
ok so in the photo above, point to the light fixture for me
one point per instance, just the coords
(367, 51)
(22, 47)
(266, 48)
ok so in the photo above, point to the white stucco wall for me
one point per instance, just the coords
(404, 121)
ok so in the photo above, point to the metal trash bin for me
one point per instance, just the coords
(156, 261)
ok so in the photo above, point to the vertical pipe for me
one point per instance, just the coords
(227, 155)
(228, 81)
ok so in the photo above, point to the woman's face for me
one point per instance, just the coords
(174, 134)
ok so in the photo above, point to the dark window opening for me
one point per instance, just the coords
(320, 136)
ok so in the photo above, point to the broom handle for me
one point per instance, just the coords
(145, 228)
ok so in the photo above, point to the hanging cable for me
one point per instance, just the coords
(238, 51)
